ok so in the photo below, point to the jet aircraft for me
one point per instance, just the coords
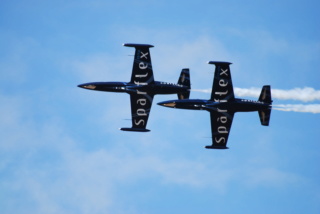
(142, 87)
(223, 105)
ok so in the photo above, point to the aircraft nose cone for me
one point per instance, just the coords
(81, 85)
(167, 104)
(161, 103)
(87, 86)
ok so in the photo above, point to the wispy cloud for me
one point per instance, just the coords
(49, 168)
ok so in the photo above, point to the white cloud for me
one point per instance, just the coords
(271, 177)
(54, 173)
(46, 165)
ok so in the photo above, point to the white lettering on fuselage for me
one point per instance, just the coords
(221, 93)
(144, 55)
(223, 72)
(140, 121)
(141, 111)
(222, 120)
(222, 83)
(140, 83)
(141, 75)
(142, 66)
(222, 129)
(253, 101)
(142, 102)
(168, 83)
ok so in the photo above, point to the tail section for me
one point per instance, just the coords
(265, 116)
(184, 80)
(265, 97)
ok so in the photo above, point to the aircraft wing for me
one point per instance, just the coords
(222, 89)
(140, 110)
(220, 128)
(142, 73)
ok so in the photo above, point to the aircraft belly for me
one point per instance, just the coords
(238, 107)
(247, 107)
(168, 90)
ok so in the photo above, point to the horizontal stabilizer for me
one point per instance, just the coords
(137, 45)
(134, 129)
(216, 147)
(264, 116)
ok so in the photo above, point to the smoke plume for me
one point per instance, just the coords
(310, 108)
(305, 94)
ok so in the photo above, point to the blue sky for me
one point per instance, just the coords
(60, 147)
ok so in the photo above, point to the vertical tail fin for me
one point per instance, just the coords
(184, 80)
(265, 97)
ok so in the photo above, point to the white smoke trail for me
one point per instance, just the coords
(305, 94)
(310, 108)
(202, 90)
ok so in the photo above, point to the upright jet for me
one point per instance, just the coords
(222, 105)
(142, 87)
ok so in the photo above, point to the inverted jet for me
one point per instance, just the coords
(142, 87)
(223, 105)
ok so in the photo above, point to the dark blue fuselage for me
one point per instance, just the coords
(153, 88)
(236, 105)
